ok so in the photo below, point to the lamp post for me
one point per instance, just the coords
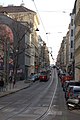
(15, 65)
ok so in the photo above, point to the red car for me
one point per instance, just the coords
(66, 77)
(43, 76)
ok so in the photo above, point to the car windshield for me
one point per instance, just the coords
(31, 76)
(74, 83)
(34, 75)
(77, 91)
(43, 73)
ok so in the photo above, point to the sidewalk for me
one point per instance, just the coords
(18, 86)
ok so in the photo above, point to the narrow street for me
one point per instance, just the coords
(59, 110)
(39, 54)
(41, 101)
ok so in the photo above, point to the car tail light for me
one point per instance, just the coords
(40, 77)
(45, 77)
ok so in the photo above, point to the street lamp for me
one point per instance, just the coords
(15, 65)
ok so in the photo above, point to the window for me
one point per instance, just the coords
(71, 32)
(71, 22)
(71, 44)
(71, 55)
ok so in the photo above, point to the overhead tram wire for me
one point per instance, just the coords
(41, 21)
(58, 11)
(43, 27)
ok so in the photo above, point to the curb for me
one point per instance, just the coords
(17, 90)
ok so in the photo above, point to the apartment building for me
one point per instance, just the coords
(77, 39)
(71, 43)
(44, 61)
(61, 58)
(69, 53)
(67, 50)
(28, 18)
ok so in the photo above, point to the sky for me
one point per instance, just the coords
(54, 17)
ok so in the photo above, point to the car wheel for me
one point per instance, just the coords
(69, 107)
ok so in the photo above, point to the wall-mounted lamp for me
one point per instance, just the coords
(37, 29)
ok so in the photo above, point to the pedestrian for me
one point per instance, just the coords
(13, 82)
(10, 80)
(1, 84)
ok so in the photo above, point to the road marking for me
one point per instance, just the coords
(8, 110)
(1, 106)
(55, 112)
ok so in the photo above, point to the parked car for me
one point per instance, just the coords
(72, 83)
(44, 76)
(33, 78)
(68, 85)
(65, 84)
(38, 75)
(61, 73)
(67, 93)
(74, 98)
(66, 77)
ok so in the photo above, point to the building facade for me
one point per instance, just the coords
(29, 19)
(17, 47)
(77, 40)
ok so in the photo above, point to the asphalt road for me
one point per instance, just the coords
(41, 101)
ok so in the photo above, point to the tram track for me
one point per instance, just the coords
(42, 117)
(33, 97)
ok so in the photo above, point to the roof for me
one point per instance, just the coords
(12, 9)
